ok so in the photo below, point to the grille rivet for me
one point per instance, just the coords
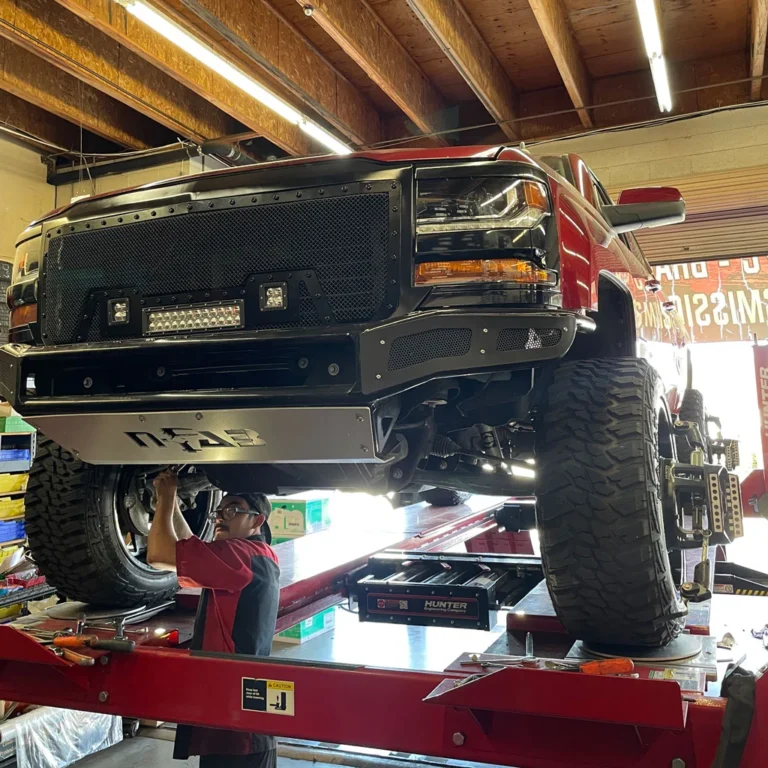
(87, 226)
(189, 297)
(48, 235)
(231, 202)
(317, 295)
(345, 189)
(360, 418)
(364, 448)
(142, 302)
(394, 257)
(485, 330)
(298, 194)
(87, 382)
(394, 185)
(207, 295)
(307, 274)
(482, 351)
(136, 216)
(326, 318)
(393, 281)
(142, 418)
(58, 231)
(153, 213)
(378, 375)
(71, 229)
(382, 342)
(103, 223)
(321, 191)
(120, 220)
(275, 197)
(303, 362)
(160, 372)
(170, 210)
(199, 416)
(367, 186)
(189, 207)
(173, 298)
(210, 205)
(394, 209)
(242, 291)
(253, 199)
(224, 293)
(333, 369)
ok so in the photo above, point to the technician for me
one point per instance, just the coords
(239, 574)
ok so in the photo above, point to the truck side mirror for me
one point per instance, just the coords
(646, 207)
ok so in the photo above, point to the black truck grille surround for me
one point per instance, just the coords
(344, 239)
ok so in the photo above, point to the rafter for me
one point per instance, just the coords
(113, 20)
(553, 22)
(453, 30)
(272, 49)
(757, 57)
(56, 35)
(40, 83)
(365, 38)
(42, 128)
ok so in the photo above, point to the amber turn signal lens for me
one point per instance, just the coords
(482, 271)
(23, 315)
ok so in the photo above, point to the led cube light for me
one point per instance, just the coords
(273, 296)
(201, 317)
(118, 312)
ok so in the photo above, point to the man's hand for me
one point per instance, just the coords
(166, 483)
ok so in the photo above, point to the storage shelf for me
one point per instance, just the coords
(10, 493)
(11, 543)
(38, 592)
(11, 519)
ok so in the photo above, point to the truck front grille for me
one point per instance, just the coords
(344, 237)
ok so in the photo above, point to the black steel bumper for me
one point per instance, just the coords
(356, 365)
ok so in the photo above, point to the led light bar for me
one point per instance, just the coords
(193, 317)
(203, 53)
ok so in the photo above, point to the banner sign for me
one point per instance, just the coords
(724, 300)
(761, 375)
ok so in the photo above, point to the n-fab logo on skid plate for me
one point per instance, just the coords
(194, 441)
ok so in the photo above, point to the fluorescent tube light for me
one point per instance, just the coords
(209, 58)
(649, 23)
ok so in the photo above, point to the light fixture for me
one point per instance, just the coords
(529, 474)
(201, 317)
(175, 34)
(649, 23)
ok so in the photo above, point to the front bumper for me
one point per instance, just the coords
(89, 390)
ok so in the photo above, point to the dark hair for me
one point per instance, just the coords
(256, 501)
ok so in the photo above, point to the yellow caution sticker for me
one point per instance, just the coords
(273, 697)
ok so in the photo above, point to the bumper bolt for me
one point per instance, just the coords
(103, 696)
(458, 739)
(87, 382)
(160, 372)
(397, 474)
(333, 369)
(199, 416)
(303, 362)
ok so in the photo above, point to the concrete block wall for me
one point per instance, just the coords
(24, 193)
(722, 141)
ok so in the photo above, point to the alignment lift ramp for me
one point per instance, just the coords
(522, 702)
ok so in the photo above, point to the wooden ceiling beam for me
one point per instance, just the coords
(257, 36)
(42, 128)
(113, 20)
(553, 21)
(364, 37)
(453, 30)
(757, 48)
(25, 75)
(70, 43)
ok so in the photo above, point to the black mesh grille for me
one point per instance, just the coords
(528, 338)
(429, 345)
(343, 239)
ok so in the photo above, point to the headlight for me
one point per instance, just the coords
(26, 262)
(464, 204)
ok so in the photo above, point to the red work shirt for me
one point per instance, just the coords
(236, 614)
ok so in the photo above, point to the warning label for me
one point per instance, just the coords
(275, 697)
(687, 679)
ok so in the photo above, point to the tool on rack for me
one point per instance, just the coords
(67, 639)
(620, 666)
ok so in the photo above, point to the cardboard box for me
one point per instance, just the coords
(298, 514)
(318, 624)
(14, 423)
(13, 483)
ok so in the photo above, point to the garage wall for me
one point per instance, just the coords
(134, 178)
(720, 164)
(24, 193)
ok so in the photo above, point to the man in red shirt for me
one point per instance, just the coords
(237, 612)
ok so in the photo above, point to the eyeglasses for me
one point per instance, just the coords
(227, 513)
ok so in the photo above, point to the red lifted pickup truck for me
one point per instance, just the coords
(434, 322)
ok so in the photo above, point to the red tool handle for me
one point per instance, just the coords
(94, 641)
(620, 666)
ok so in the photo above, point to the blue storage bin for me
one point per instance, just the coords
(10, 530)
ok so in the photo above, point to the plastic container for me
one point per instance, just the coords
(10, 530)
(11, 507)
(13, 483)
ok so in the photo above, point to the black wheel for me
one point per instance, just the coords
(692, 409)
(601, 428)
(87, 528)
(444, 497)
